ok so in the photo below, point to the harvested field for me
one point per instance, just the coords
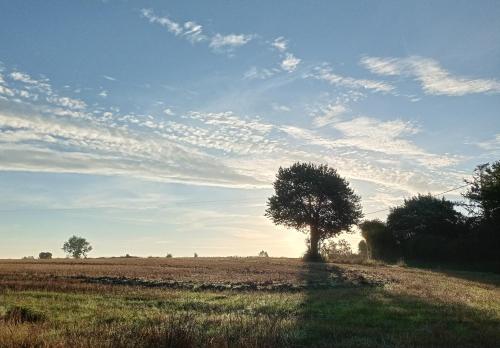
(243, 302)
(190, 273)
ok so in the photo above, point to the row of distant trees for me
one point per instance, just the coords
(426, 228)
(75, 246)
(78, 247)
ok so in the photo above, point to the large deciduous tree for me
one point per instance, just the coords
(423, 215)
(77, 247)
(315, 198)
(424, 226)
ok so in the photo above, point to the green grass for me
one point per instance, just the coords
(364, 317)
(407, 308)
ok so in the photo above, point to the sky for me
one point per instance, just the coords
(155, 127)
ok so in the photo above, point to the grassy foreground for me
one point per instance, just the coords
(335, 305)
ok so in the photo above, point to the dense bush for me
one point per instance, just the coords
(45, 255)
(426, 228)
(363, 249)
(380, 243)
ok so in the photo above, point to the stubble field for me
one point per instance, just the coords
(243, 302)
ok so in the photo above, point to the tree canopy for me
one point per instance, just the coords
(484, 191)
(77, 247)
(45, 255)
(423, 214)
(314, 197)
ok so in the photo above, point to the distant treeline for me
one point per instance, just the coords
(429, 229)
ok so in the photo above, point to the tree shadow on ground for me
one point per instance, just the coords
(350, 313)
(469, 273)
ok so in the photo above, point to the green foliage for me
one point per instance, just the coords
(429, 229)
(314, 197)
(45, 255)
(424, 226)
(380, 243)
(77, 247)
(424, 215)
(332, 250)
(482, 242)
(484, 191)
(363, 249)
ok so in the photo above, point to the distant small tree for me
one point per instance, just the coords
(77, 247)
(169, 256)
(195, 255)
(315, 198)
(28, 257)
(363, 249)
(45, 255)
(263, 254)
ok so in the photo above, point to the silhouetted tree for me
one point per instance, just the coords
(45, 255)
(169, 256)
(380, 243)
(483, 240)
(315, 197)
(77, 247)
(484, 191)
(424, 225)
(263, 254)
(363, 249)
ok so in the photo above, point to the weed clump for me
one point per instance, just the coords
(19, 314)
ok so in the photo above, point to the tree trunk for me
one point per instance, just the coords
(314, 240)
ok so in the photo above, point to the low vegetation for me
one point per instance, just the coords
(71, 302)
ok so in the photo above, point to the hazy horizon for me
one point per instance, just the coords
(152, 128)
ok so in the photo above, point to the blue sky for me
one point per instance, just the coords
(157, 127)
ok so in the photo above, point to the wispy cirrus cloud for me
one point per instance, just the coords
(325, 73)
(492, 144)
(194, 32)
(434, 79)
(209, 148)
(172, 26)
(329, 114)
(280, 43)
(259, 73)
(230, 41)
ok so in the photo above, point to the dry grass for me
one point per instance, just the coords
(72, 303)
